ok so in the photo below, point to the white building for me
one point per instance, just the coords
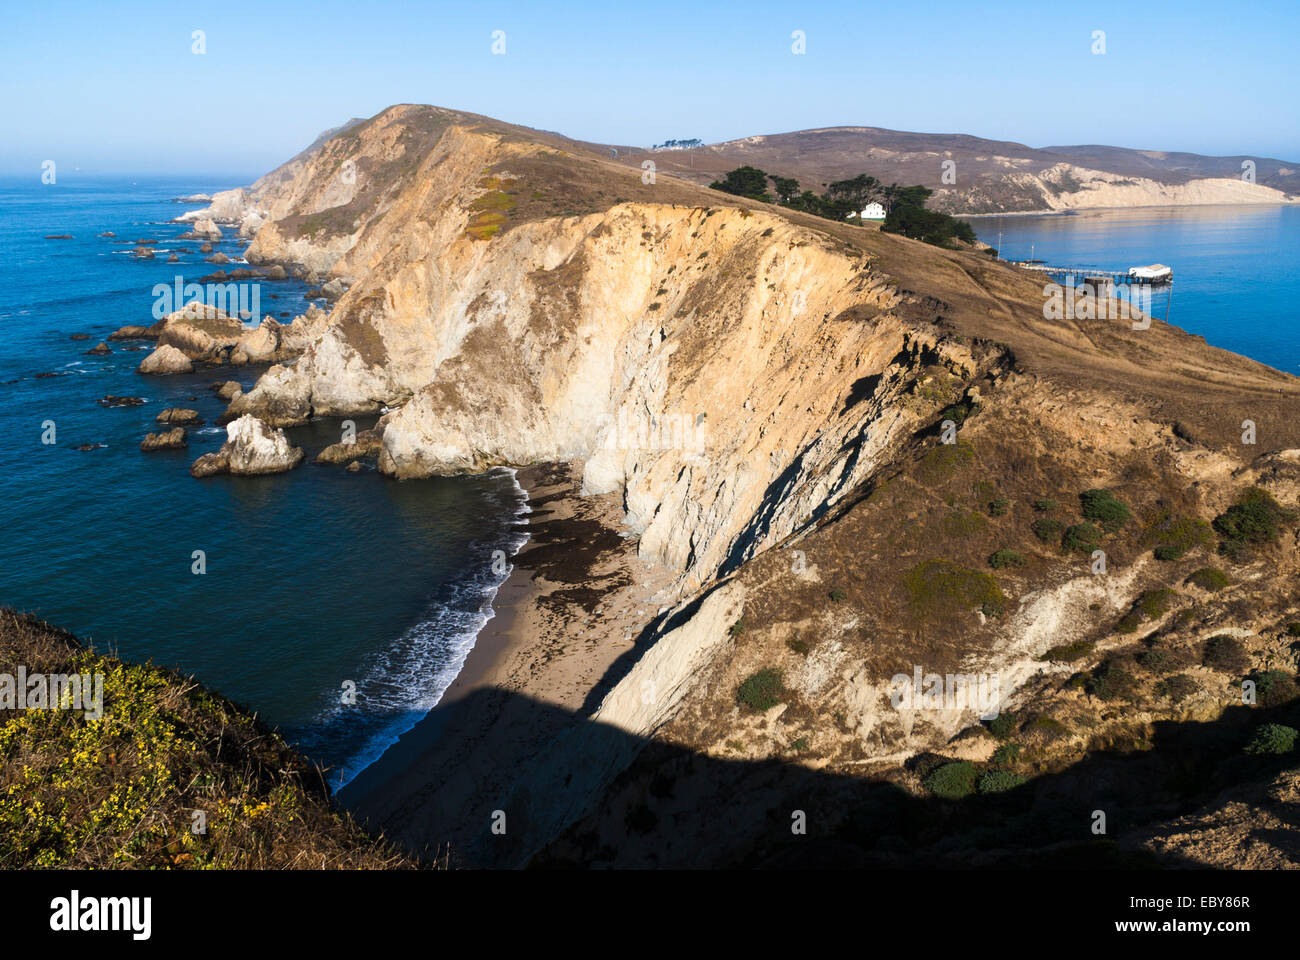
(873, 211)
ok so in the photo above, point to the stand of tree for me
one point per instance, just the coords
(905, 210)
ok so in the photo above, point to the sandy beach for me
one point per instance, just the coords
(566, 627)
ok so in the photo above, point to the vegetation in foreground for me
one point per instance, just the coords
(169, 776)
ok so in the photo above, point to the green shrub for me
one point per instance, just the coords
(800, 745)
(1003, 725)
(1045, 505)
(1174, 536)
(1006, 558)
(1293, 629)
(1080, 538)
(1177, 688)
(1151, 605)
(1112, 681)
(1102, 507)
(1254, 519)
(1273, 687)
(1225, 653)
(941, 586)
(1272, 739)
(1048, 725)
(999, 781)
(1209, 578)
(800, 647)
(943, 460)
(837, 595)
(1068, 652)
(1159, 661)
(761, 690)
(953, 780)
(737, 628)
(1047, 530)
(958, 412)
(999, 507)
(1006, 753)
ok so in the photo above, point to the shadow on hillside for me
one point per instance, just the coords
(573, 793)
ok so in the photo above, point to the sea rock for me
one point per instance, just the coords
(112, 401)
(136, 332)
(58, 236)
(229, 390)
(201, 332)
(263, 344)
(366, 444)
(90, 446)
(195, 198)
(173, 259)
(166, 359)
(205, 248)
(173, 439)
(176, 415)
(203, 229)
(354, 467)
(78, 336)
(108, 233)
(279, 398)
(276, 273)
(143, 253)
(209, 465)
(217, 258)
(252, 448)
(99, 350)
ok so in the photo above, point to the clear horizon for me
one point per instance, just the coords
(122, 91)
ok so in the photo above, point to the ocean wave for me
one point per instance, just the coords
(409, 678)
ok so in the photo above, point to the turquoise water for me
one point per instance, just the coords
(314, 578)
(1236, 268)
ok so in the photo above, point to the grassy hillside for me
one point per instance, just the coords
(122, 791)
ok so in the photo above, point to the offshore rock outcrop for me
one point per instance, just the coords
(204, 334)
(251, 449)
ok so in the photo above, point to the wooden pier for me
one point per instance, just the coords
(1091, 275)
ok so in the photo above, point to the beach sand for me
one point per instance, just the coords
(566, 627)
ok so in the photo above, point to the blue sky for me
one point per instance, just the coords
(116, 87)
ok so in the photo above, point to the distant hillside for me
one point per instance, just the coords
(991, 176)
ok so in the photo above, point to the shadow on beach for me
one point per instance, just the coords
(576, 793)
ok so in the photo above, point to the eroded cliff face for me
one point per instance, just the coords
(732, 374)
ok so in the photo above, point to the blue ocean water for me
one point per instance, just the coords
(1236, 268)
(314, 579)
